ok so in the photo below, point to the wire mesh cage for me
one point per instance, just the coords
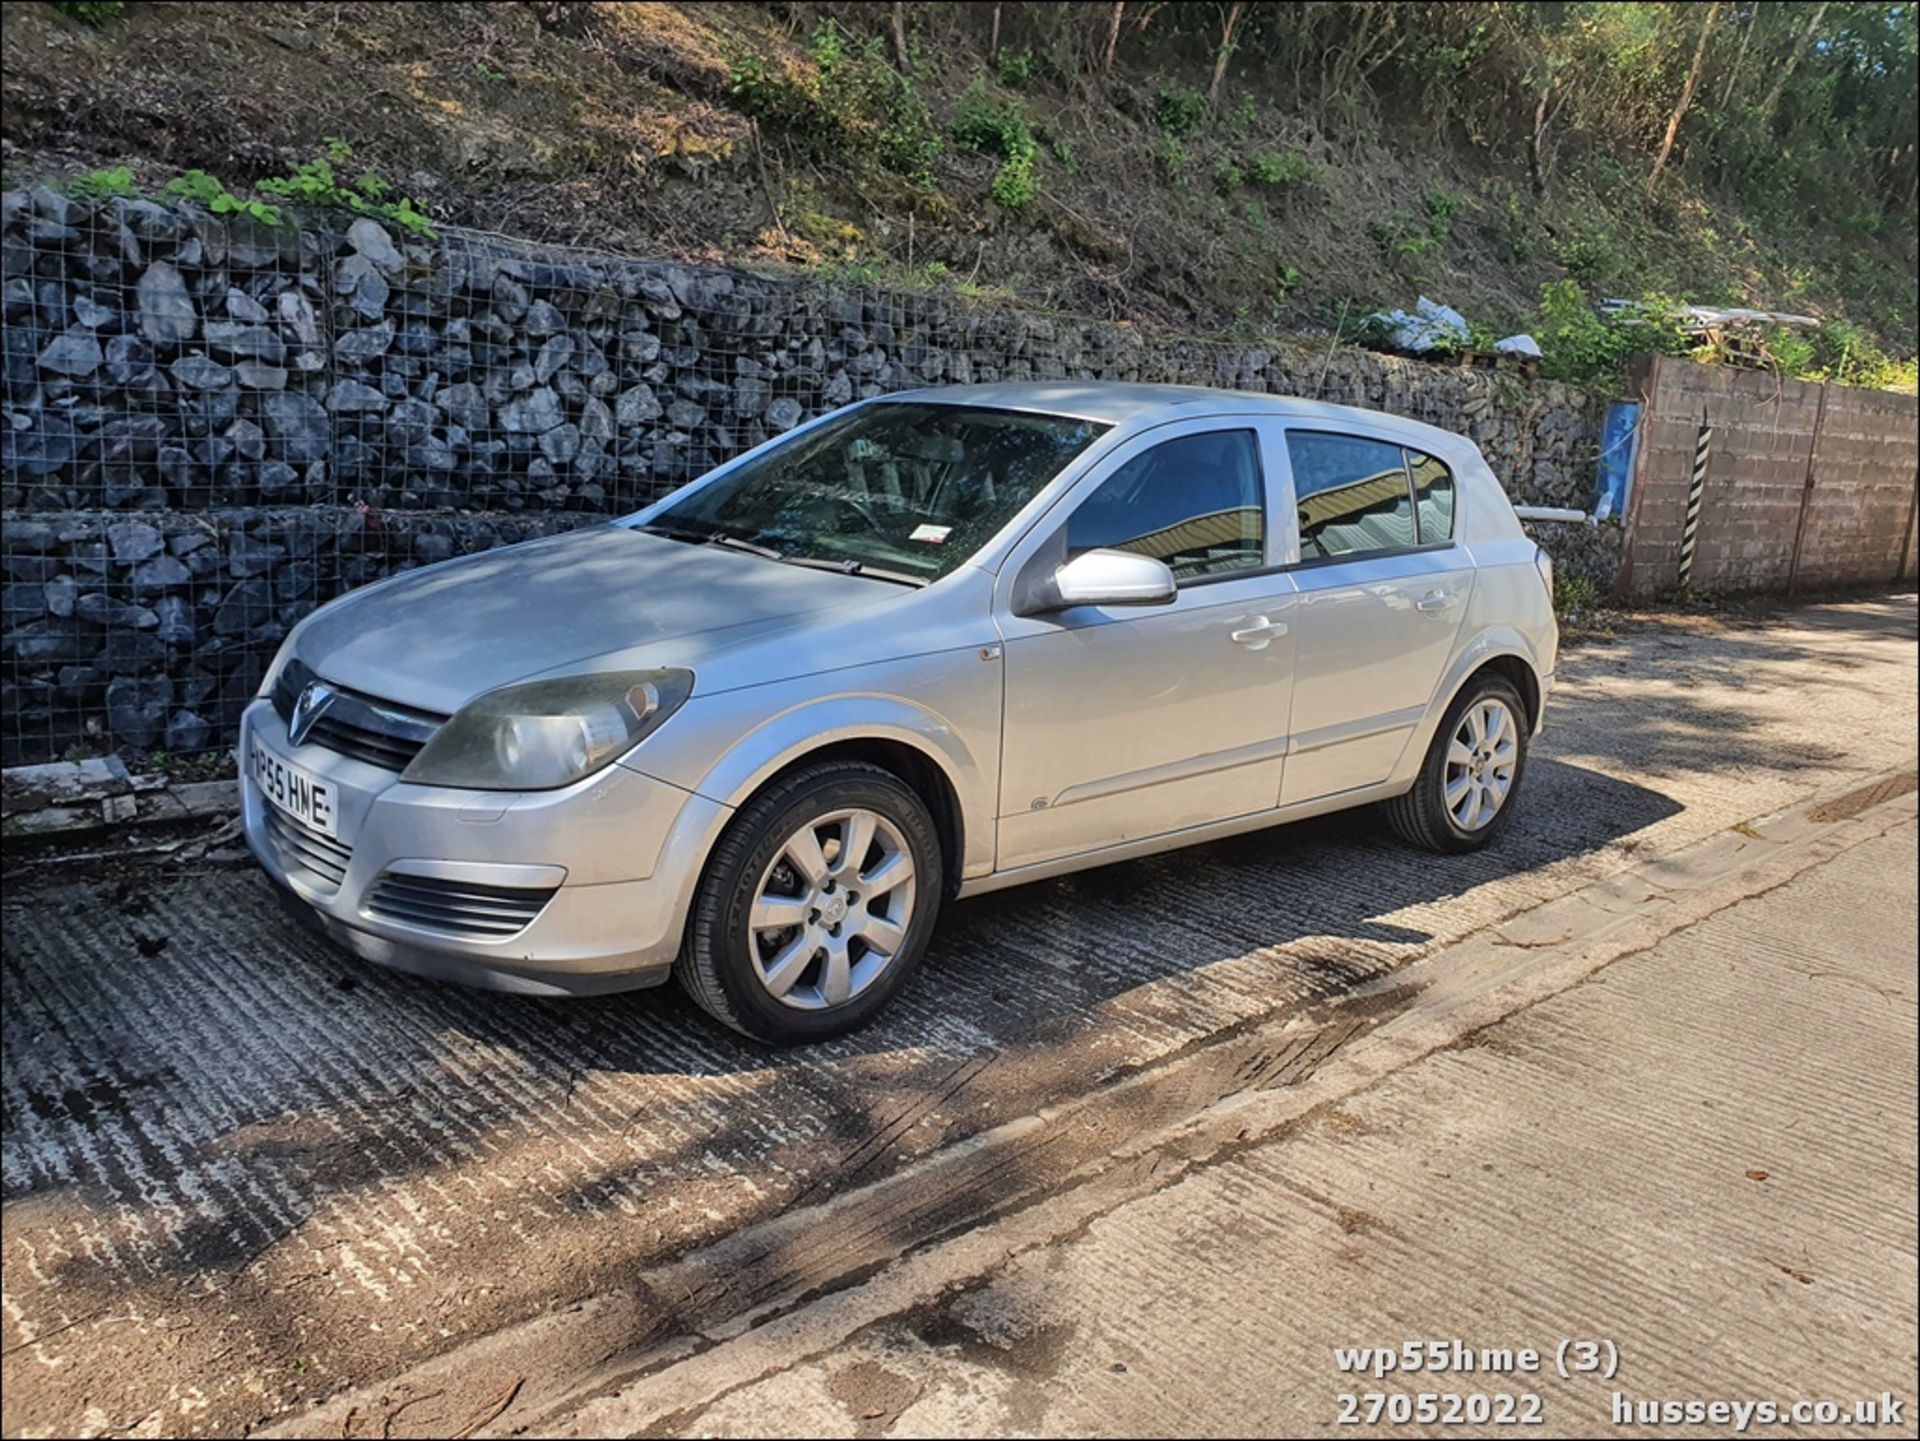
(213, 424)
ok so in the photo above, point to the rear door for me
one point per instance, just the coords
(1126, 722)
(1383, 587)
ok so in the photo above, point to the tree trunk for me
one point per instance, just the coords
(1536, 158)
(1113, 36)
(1793, 60)
(1686, 99)
(993, 40)
(1739, 57)
(900, 36)
(1230, 22)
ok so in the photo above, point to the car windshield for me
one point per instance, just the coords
(901, 491)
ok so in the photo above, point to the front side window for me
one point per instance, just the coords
(904, 491)
(1194, 503)
(1352, 493)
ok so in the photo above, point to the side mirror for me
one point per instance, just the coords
(1111, 577)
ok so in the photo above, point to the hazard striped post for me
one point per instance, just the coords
(1701, 445)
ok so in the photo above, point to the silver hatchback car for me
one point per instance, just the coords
(927, 646)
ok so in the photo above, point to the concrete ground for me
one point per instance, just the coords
(1702, 1155)
(245, 1177)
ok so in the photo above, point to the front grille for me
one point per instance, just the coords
(458, 908)
(375, 731)
(320, 860)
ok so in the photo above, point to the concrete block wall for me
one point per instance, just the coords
(1807, 486)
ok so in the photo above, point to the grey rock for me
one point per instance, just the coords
(244, 308)
(636, 406)
(34, 535)
(173, 621)
(358, 347)
(248, 604)
(411, 421)
(560, 443)
(784, 414)
(432, 547)
(74, 352)
(62, 594)
(247, 556)
(134, 540)
(233, 338)
(296, 315)
(552, 358)
(299, 426)
(686, 414)
(105, 610)
(350, 397)
(132, 652)
(24, 600)
(167, 316)
(187, 733)
(278, 479)
(255, 375)
(196, 372)
(371, 240)
(91, 312)
(129, 359)
(162, 573)
(137, 709)
(53, 642)
(544, 319)
(465, 405)
(596, 422)
(509, 299)
(534, 413)
(359, 279)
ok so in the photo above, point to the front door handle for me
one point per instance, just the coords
(1256, 634)
(1434, 603)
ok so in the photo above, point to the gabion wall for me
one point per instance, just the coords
(211, 426)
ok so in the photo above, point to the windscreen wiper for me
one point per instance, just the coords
(697, 535)
(855, 567)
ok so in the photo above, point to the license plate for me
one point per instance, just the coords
(300, 793)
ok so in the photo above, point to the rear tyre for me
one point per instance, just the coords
(1465, 794)
(816, 905)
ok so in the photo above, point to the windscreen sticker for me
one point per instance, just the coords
(931, 534)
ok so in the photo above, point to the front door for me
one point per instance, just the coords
(1127, 722)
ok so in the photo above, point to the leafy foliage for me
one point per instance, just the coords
(102, 184)
(1179, 111)
(315, 183)
(1000, 129)
(90, 12)
(852, 103)
(211, 194)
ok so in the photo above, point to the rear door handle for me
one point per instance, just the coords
(1432, 604)
(1256, 635)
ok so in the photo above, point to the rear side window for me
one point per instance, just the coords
(1194, 503)
(1432, 497)
(1353, 495)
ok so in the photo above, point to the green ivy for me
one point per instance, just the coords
(210, 194)
(315, 183)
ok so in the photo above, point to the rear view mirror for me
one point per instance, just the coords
(1112, 577)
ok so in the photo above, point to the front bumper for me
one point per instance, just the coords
(605, 868)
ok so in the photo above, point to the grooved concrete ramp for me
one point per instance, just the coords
(1703, 1157)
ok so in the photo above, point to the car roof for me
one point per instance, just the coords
(1118, 403)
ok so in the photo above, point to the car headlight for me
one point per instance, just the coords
(538, 735)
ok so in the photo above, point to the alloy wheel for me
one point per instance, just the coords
(1480, 764)
(831, 910)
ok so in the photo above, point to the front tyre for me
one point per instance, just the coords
(1465, 793)
(816, 905)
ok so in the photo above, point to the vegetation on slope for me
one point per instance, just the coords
(1263, 165)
